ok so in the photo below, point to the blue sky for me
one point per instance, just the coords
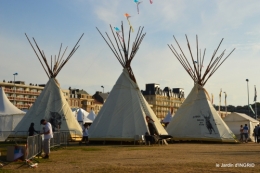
(53, 22)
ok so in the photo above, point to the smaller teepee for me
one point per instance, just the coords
(51, 103)
(197, 119)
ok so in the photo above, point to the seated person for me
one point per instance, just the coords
(150, 123)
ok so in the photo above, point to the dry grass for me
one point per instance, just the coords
(178, 157)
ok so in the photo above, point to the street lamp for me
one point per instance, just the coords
(248, 96)
(14, 88)
(103, 88)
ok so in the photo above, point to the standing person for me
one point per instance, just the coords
(241, 133)
(85, 134)
(256, 134)
(47, 131)
(32, 130)
(245, 131)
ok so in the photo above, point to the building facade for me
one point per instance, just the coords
(100, 96)
(163, 100)
(84, 100)
(22, 95)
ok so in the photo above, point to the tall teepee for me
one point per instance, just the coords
(123, 114)
(197, 119)
(51, 103)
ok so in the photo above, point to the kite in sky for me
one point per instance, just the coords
(137, 4)
(127, 17)
(151, 1)
(118, 32)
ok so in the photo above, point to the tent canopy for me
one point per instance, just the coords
(235, 120)
(239, 117)
(6, 107)
(81, 114)
(90, 117)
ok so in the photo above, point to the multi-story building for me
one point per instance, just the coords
(163, 100)
(100, 96)
(22, 95)
(84, 100)
(97, 106)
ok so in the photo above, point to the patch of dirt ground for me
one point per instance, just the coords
(177, 157)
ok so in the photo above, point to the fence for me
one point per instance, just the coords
(34, 143)
(34, 146)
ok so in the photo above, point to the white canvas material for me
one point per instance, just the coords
(168, 117)
(90, 117)
(197, 119)
(81, 114)
(123, 114)
(235, 120)
(6, 107)
(10, 116)
(52, 106)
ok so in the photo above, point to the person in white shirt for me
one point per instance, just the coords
(47, 131)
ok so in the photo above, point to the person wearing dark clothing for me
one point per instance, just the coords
(256, 134)
(258, 141)
(148, 138)
(153, 132)
(151, 127)
(32, 130)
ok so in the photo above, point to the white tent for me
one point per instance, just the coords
(51, 104)
(168, 117)
(10, 116)
(197, 119)
(6, 107)
(235, 120)
(90, 117)
(122, 116)
(81, 114)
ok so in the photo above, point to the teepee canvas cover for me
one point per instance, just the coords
(10, 116)
(197, 119)
(51, 104)
(122, 117)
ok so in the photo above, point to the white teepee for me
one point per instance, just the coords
(122, 116)
(51, 104)
(10, 116)
(197, 119)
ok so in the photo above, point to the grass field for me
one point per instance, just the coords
(177, 157)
